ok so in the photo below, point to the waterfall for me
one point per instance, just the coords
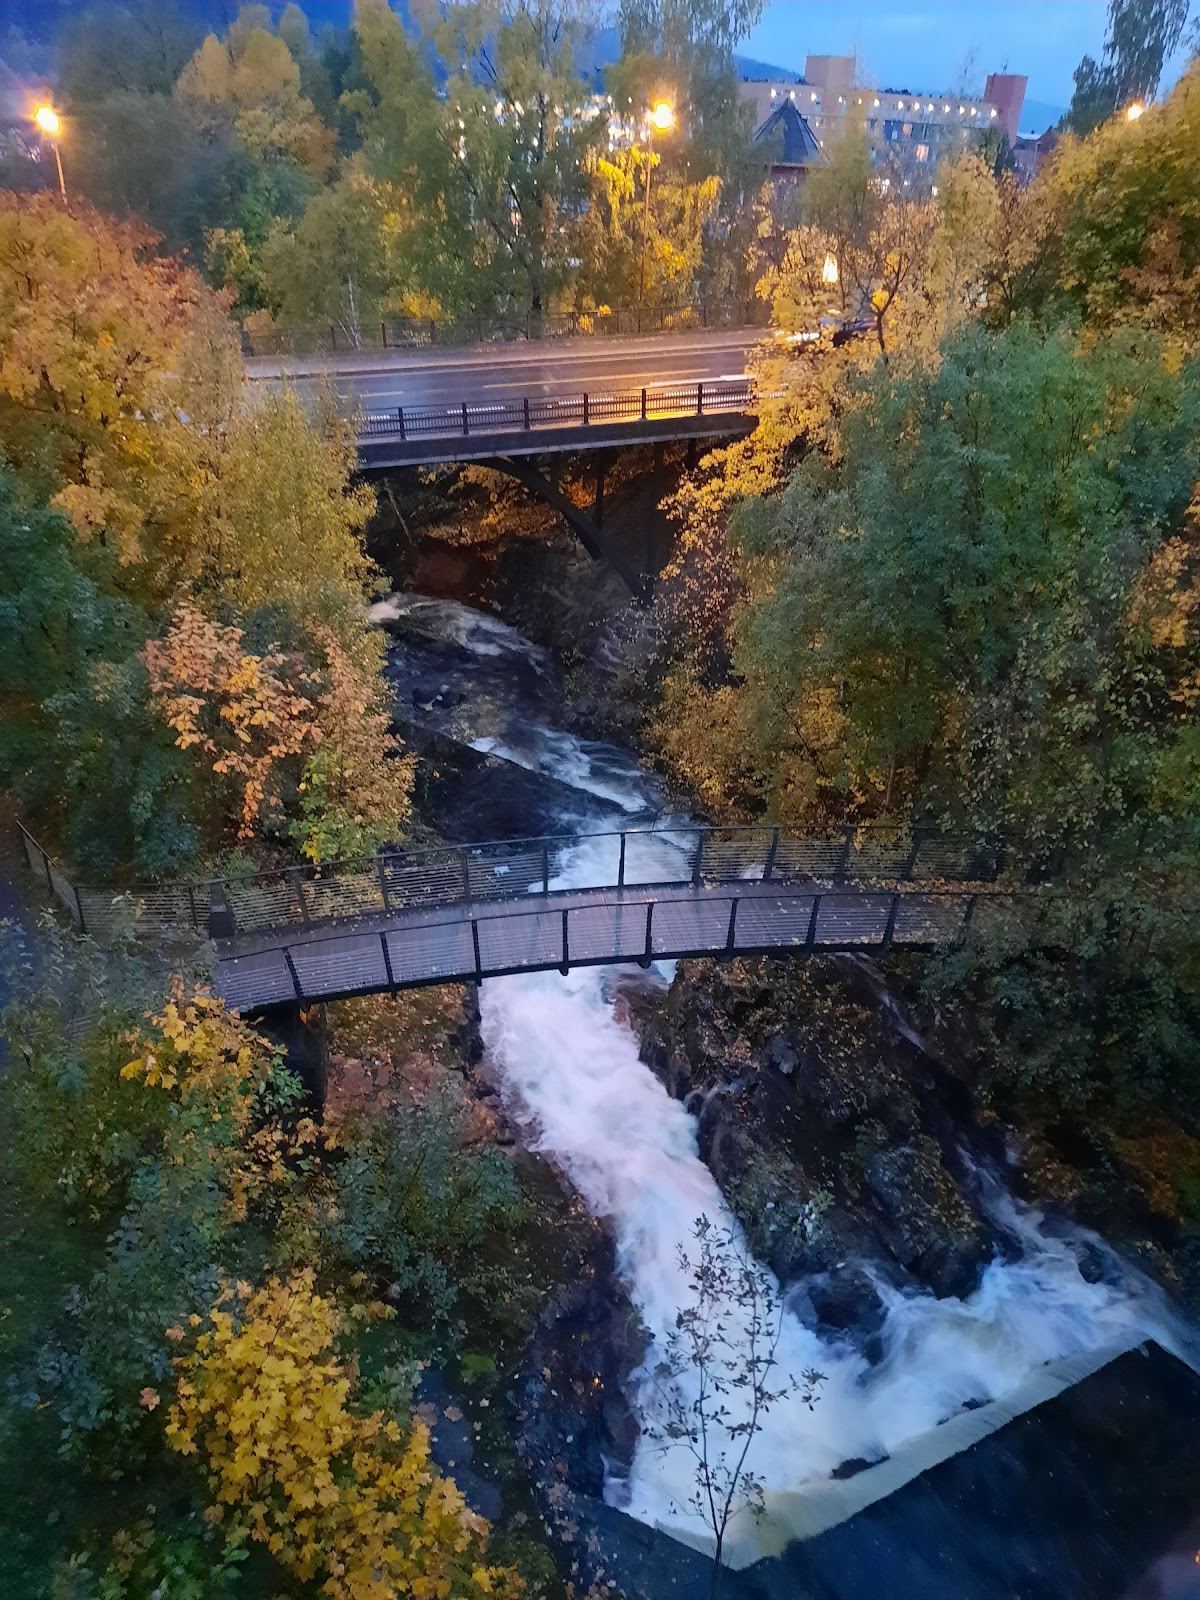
(572, 1075)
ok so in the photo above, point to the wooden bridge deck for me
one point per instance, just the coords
(594, 927)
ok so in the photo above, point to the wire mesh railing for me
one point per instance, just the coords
(602, 932)
(527, 415)
(311, 895)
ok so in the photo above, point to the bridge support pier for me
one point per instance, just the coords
(585, 528)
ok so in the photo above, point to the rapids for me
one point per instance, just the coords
(573, 1077)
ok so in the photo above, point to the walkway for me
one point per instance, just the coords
(592, 927)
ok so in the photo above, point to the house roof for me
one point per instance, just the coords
(791, 139)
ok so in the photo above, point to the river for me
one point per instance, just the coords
(574, 1080)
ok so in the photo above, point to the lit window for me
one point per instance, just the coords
(922, 152)
(899, 105)
(813, 95)
(974, 113)
(946, 111)
(793, 94)
(993, 111)
(876, 102)
(934, 191)
(962, 111)
(772, 94)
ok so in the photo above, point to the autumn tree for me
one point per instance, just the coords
(1142, 34)
(941, 620)
(1123, 218)
(519, 135)
(348, 1500)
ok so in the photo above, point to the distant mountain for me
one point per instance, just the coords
(748, 67)
(1038, 115)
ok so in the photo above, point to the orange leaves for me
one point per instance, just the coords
(244, 712)
(334, 1495)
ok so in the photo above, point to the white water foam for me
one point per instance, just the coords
(457, 624)
(573, 1072)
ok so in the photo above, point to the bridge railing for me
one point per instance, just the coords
(312, 895)
(579, 410)
(602, 932)
(424, 333)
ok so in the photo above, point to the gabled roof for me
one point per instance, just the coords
(790, 138)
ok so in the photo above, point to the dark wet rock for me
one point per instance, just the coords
(836, 1136)
(844, 1300)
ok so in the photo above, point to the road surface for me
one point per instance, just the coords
(550, 368)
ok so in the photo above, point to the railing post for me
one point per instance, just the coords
(891, 922)
(643, 405)
(475, 943)
(525, 407)
(383, 333)
(49, 874)
(466, 428)
(333, 339)
(294, 874)
(383, 888)
(970, 912)
(546, 869)
(295, 976)
(464, 854)
(769, 865)
(400, 416)
(906, 870)
(699, 399)
(586, 416)
(731, 936)
(621, 865)
(191, 888)
(839, 871)
(811, 937)
(699, 856)
(645, 959)
(387, 963)
(566, 954)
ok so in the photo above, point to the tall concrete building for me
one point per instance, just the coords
(904, 126)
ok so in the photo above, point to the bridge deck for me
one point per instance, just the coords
(596, 927)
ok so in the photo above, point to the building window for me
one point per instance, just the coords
(922, 152)
(907, 130)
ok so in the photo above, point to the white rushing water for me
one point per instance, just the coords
(573, 1072)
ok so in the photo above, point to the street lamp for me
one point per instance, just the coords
(1135, 111)
(49, 121)
(662, 119)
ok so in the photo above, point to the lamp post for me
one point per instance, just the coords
(50, 123)
(662, 118)
(1134, 111)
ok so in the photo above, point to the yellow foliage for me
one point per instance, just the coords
(213, 1069)
(351, 1501)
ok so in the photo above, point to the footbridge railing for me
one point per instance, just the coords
(309, 896)
(593, 930)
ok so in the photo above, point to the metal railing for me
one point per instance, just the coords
(424, 333)
(600, 932)
(578, 410)
(361, 887)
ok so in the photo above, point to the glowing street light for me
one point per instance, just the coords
(1135, 111)
(49, 121)
(829, 272)
(662, 120)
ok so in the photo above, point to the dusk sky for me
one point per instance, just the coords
(923, 44)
